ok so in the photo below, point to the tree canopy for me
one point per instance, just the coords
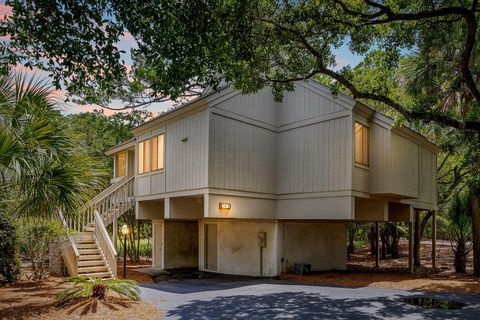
(186, 46)
(418, 60)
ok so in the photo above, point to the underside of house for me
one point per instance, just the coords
(242, 184)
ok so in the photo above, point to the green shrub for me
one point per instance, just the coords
(145, 248)
(96, 288)
(9, 262)
(35, 237)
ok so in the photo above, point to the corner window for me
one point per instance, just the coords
(362, 144)
(121, 164)
(157, 152)
(143, 156)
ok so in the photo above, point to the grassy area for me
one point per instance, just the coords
(145, 247)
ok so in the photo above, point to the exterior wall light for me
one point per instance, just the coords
(224, 206)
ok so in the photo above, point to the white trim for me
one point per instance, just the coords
(315, 120)
(240, 118)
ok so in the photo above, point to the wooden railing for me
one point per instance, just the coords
(70, 252)
(110, 203)
(99, 213)
(105, 244)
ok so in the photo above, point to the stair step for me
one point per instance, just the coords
(83, 236)
(88, 251)
(84, 233)
(86, 241)
(92, 245)
(86, 263)
(97, 275)
(91, 257)
(89, 229)
(90, 269)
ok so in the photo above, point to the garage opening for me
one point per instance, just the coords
(181, 244)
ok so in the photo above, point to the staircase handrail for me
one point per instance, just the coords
(71, 260)
(105, 244)
(105, 193)
(107, 198)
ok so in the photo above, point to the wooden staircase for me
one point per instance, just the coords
(90, 252)
(91, 262)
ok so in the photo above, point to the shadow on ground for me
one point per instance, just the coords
(302, 305)
(187, 286)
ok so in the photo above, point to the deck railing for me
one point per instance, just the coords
(110, 203)
(105, 244)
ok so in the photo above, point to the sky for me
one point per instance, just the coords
(127, 42)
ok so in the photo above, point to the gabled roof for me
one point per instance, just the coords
(341, 98)
(125, 145)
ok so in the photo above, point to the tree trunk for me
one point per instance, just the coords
(416, 240)
(395, 239)
(475, 203)
(419, 231)
(373, 240)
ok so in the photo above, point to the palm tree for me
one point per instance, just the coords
(97, 288)
(460, 230)
(42, 170)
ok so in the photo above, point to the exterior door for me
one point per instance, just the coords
(211, 246)
(157, 250)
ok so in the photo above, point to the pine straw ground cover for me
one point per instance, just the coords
(393, 273)
(37, 300)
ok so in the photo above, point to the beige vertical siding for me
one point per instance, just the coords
(259, 106)
(394, 165)
(381, 159)
(186, 161)
(305, 103)
(428, 177)
(315, 157)
(427, 182)
(361, 179)
(405, 166)
(241, 156)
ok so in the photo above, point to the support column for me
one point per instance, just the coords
(166, 208)
(416, 239)
(434, 239)
(410, 247)
(115, 233)
(377, 240)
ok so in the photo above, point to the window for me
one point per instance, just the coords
(121, 164)
(143, 156)
(157, 152)
(362, 144)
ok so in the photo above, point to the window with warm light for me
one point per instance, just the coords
(362, 144)
(121, 164)
(157, 152)
(143, 156)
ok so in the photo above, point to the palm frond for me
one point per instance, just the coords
(83, 287)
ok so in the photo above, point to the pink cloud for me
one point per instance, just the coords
(34, 72)
(126, 42)
(5, 10)
(70, 107)
(128, 37)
